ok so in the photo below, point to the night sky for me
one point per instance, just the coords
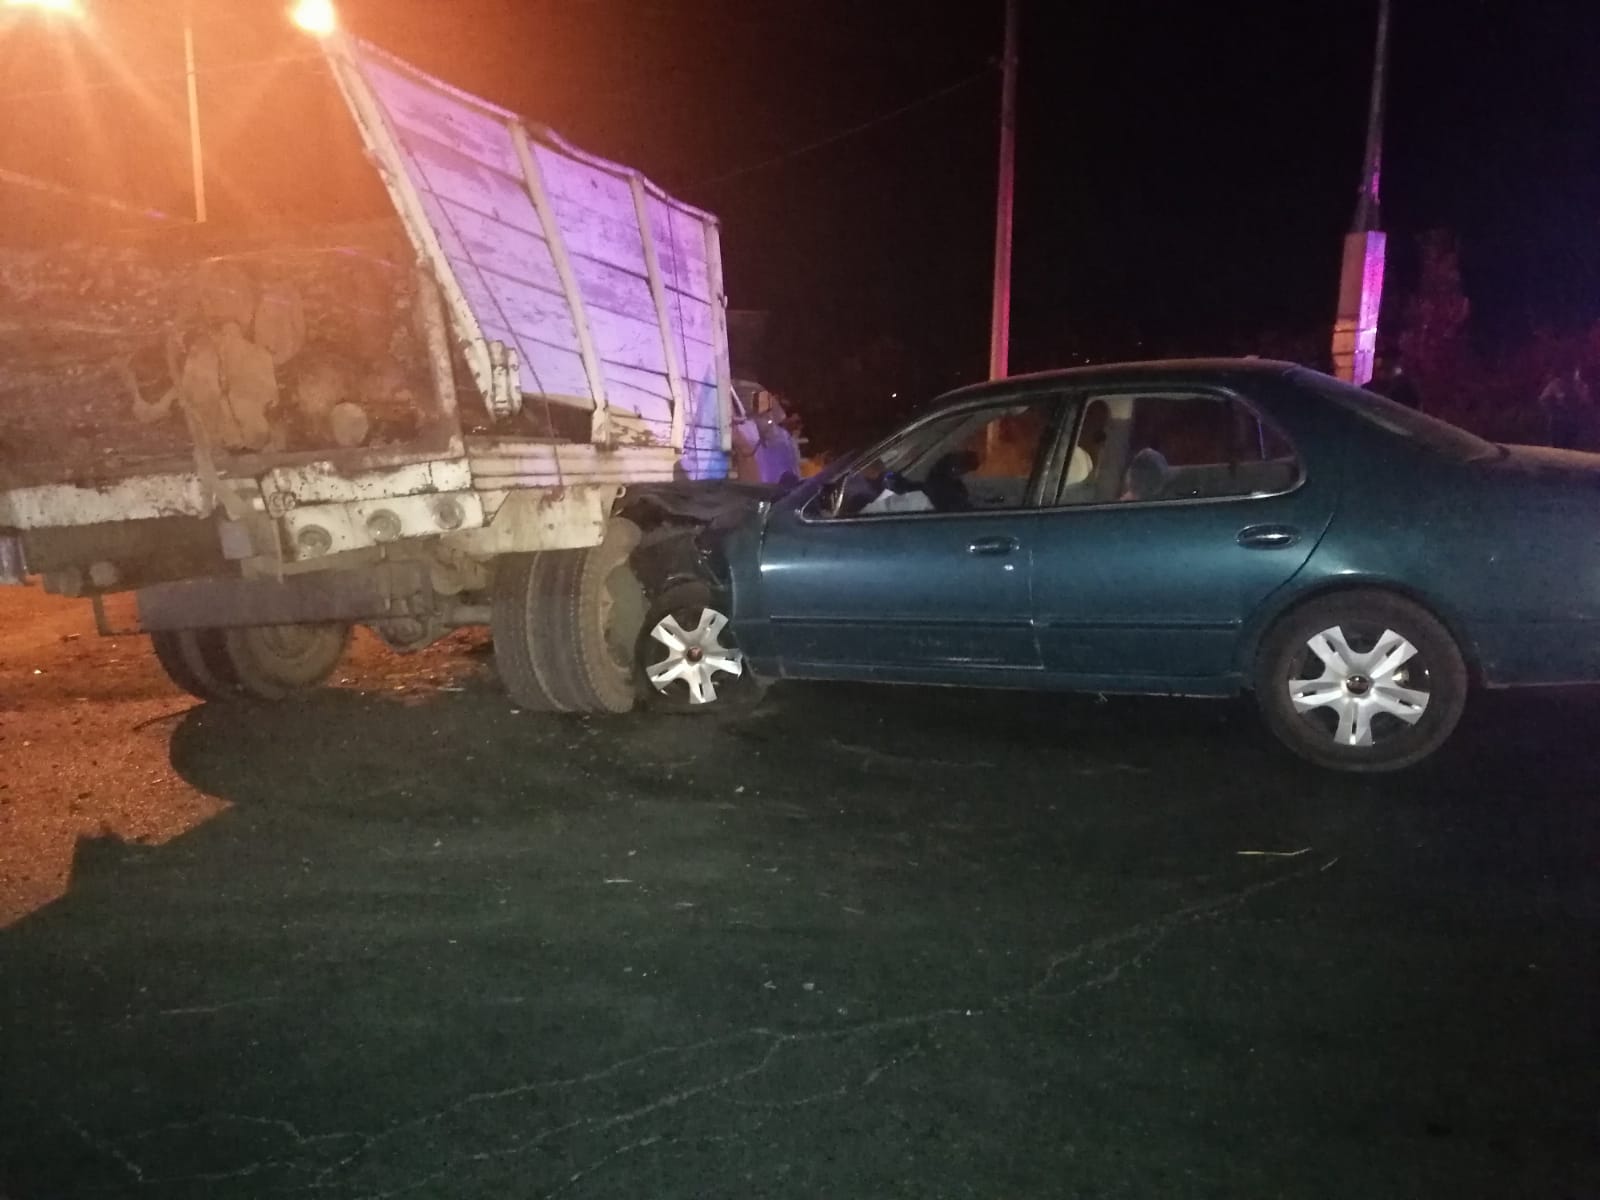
(1186, 170)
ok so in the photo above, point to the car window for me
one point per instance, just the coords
(973, 460)
(1132, 448)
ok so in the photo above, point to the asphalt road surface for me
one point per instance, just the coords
(398, 939)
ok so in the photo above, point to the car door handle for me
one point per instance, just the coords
(993, 545)
(1268, 537)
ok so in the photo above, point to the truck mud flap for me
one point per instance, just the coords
(13, 570)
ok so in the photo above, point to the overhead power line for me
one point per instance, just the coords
(852, 131)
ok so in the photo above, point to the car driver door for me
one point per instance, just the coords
(917, 563)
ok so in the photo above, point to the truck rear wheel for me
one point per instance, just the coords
(197, 661)
(600, 622)
(273, 662)
(566, 624)
(523, 646)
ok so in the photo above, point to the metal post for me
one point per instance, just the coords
(195, 161)
(1000, 311)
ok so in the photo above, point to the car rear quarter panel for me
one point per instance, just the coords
(1509, 560)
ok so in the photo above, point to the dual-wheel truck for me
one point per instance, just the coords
(530, 445)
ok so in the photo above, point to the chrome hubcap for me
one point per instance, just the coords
(694, 655)
(1358, 686)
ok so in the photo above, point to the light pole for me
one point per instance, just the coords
(1000, 305)
(316, 17)
(196, 162)
(1355, 329)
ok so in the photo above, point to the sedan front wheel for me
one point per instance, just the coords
(687, 658)
(1361, 681)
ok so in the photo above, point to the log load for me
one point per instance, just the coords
(118, 355)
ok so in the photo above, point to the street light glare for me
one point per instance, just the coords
(317, 17)
(68, 7)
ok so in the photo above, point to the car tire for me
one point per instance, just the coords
(275, 662)
(1363, 681)
(691, 613)
(197, 661)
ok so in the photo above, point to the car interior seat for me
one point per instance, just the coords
(1147, 475)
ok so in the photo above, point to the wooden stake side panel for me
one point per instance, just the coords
(654, 344)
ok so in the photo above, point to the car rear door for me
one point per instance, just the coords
(1184, 511)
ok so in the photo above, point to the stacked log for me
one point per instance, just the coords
(116, 356)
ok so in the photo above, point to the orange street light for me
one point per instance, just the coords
(317, 17)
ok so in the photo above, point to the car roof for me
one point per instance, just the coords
(1153, 373)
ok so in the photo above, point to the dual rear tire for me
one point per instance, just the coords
(270, 662)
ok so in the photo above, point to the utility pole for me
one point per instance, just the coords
(1000, 311)
(196, 163)
(1355, 330)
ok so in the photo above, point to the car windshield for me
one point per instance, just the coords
(1439, 436)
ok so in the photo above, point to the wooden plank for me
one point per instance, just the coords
(454, 176)
(693, 323)
(470, 279)
(552, 372)
(641, 431)
(613, 242)
(719, 319)
(629, 343)
(638, 402)
(415, 106)
(700, 372)
(485, 303)
(691, 316)
(691, 274)
(599, 218)
(608, 288)
(552, 235)
(646, 401)
(532, 312)
(706, 464)
(552, 466)
(504, 249)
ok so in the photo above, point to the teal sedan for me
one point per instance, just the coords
(1198, 528)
